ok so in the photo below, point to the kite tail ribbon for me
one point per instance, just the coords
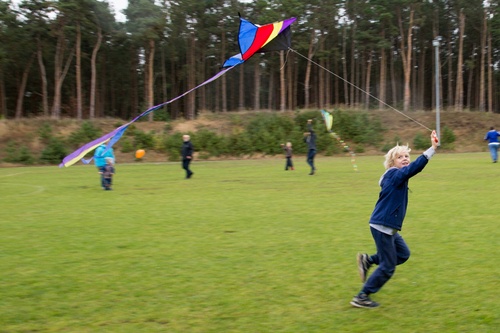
(115, 135)
(328, 118)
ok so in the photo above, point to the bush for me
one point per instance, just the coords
(421, 141)
(239, 144)
(161, 115)
(447, 138)
(17, 154)
(353, 127)
(143, 140)
(126, 145)
(172, 146)
(54, 152)
(389, 145)
(267, 131)
(45, 132)
(87, 132)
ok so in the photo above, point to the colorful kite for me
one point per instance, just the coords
(251, 39)
(328, 118)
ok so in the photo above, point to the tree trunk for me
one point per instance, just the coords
(22, 88)
(256, 79)
(344, 67)
(191, 98)
(174, 109)
(328, 84)
(282, 82)
(3, 99)
(336, 86)
(450, 98)
(382, 78)
(307, 78)
(93, 78)
(421, 79)
(482, 65)
(43, 78)
(490, 74)
(459, 94)
(353, 66)
(134, 88)
(241, 89)
(60, 75)
(78, 68)
(321, 84)
(367, 80)
(270, 97)
(471, 77)
(290, 81)
(151, 77)
(393, 79)
(224, 80)
(163, 77)
(406, 53)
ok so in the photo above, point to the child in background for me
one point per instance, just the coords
(493, 144)
(310, 140)
(387, 220)
(107, 173)
(288, 154)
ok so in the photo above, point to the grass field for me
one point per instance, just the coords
(244, 246)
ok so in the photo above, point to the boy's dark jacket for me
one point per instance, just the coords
(187, 149)
(390, 209)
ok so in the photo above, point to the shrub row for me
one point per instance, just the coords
(262, 134)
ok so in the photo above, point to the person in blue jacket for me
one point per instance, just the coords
(387, 220)
(100, 155)
(310, 140)
(492, 138)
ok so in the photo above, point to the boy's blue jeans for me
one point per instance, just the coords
(391, 251)
(185, 166)
(310, 158)
(101, 170)
(493, 151)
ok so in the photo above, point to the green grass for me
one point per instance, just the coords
(244, 247)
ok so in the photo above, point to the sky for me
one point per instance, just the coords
(119, 6)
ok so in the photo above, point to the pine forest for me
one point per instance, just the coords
(74, 59)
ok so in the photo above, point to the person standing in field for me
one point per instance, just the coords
(492, 138)
(288, 155)
(100, 156)
(387, 220)
(107, 173)
(187, 154)
(310, 139)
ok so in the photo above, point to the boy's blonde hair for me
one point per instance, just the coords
(392, 154)
(288, 144)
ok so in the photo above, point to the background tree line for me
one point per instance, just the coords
(71, 58)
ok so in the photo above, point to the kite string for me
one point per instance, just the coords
(328, 124)
(360, 89)
(346, 147)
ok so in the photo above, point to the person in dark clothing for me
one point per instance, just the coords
(310, 139)
(288, 154)
(387, 220)
(187, 155)
(107, 173)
